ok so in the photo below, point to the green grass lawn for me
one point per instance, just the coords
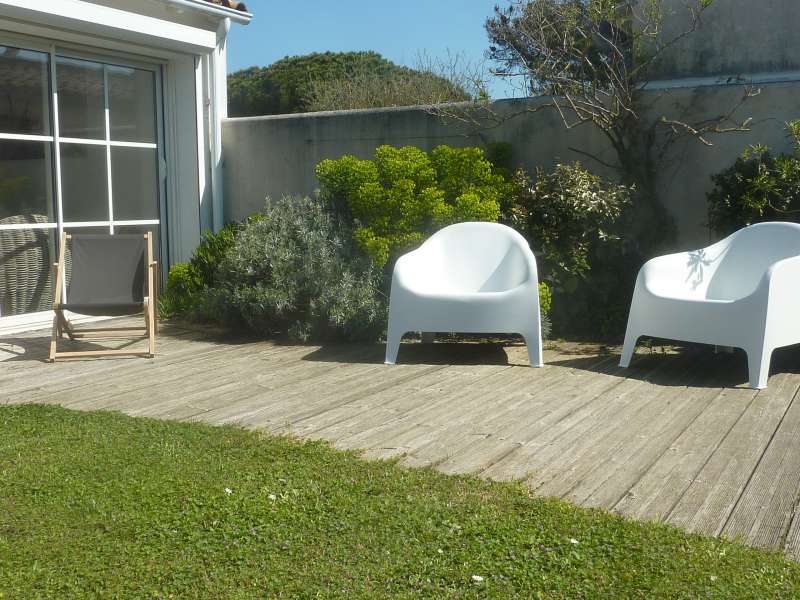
(102, 505)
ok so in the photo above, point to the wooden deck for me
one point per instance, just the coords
(677, 438)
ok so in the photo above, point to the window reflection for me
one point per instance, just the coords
(26, 181)
(25, 87)
(81, 99)
(131, 98)
(26, 274)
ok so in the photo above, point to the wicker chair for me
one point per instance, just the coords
(26, 258)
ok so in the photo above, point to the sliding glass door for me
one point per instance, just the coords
(80, 150)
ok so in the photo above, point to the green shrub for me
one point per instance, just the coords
(564, 213)
(545, 298)
(209, 254)
(405, 194)
(545, 304)
(295, 271)
(182, 294)
(572, 219)
(760, 186)
(187, 282)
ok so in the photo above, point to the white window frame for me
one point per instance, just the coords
(56, 49)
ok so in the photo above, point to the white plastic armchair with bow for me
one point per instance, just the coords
(743, 291)
(467, 278)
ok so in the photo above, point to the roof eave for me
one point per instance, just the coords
(237, 16)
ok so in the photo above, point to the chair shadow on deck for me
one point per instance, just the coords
(35, 346)
(440, 353)
(692, 366)
(17, 349)
(27, 349)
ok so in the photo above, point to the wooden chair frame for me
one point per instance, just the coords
(62, 325)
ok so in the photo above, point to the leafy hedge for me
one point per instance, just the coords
(296, 271)
(573, 221)
(287, 85)
(188, 283)
(759, 186)
(290, 270)
(405, 194)
(316, 269)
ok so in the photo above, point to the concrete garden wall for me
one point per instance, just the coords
(272, 156)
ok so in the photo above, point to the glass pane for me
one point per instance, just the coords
(26, 272)
(25, 85)
(81, 100)
(132, 100)
(26, 183)
(134, 177)
(84, 182)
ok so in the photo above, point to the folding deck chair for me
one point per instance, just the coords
(111, 275)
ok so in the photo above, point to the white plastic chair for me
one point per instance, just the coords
(467, 278)
(743, 291)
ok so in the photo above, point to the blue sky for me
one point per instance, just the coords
(398, 29)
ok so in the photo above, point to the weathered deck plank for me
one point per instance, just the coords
(764, 511)
(664, 483)
(711, 497)
(576, 431)
(511, 421)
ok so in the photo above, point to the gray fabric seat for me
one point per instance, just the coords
(108, 275)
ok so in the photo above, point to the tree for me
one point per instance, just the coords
(367, 89)
(322, 81)
(593, 60)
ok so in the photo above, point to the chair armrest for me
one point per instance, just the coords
(153, 278)
(783, 278)
(406, 266)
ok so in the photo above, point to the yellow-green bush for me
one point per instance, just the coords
(405, 194)
(545, 298)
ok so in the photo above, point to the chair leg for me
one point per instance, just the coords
(758, 361)
(149, 320)
(534, 343)
(631, 337)
(65, 326)
(393, 338)
(54, 338)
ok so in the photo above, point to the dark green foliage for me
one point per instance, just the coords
(182, 295)
(187, 282)
(295, 271)
(102, 505)
(404, 195)
(564, 44)
(760, 186)
(564, 213)
(284, 86)
(573, 221)
(370, 89)
(209, 254)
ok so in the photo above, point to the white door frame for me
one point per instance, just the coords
(166, 138)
